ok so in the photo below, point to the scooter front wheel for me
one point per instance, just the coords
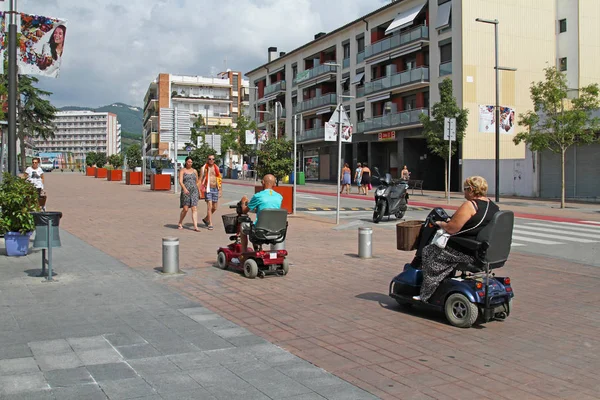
(379, 211)
(222, 260)
(250, 268)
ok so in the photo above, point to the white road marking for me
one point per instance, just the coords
(545, 235)
(539, 241)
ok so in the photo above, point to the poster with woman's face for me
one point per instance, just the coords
(487, 120)
(41, 45)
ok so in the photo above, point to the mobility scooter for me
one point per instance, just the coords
(271, 229)
(391, 197)
(471, 292)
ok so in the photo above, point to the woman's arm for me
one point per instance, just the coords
(459, 219)
(181, 185)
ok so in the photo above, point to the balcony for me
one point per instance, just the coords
(346, 63)
(405, 78)
(418, 33)
(326, 100)
(311, 134)
(392, 121)
(314, 73)
(360, 57)
(276, 87)
(446, 68)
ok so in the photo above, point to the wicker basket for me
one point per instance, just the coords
(407, 235)
(230, 223)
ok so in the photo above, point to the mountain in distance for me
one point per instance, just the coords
(130, 117)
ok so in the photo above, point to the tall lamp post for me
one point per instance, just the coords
(12, 89)
(276, 104)
(495, 22)
(339, 138)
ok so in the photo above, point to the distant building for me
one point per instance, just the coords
(218, 100)
(81, 132)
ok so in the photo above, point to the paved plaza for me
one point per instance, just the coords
(113, 326)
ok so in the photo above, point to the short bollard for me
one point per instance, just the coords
(365, 249)
(170, 255)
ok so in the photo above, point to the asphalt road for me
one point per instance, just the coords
(569, 241)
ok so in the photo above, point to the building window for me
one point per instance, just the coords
(562, 25)
(446, 53)
(235, 82)
(360, 44)
(410, 102)
(360, 115)
(562, 63)
(347, 50)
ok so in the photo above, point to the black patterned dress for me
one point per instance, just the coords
(189, 199)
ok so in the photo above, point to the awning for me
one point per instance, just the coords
(379, 98)
(405, 18)
(324, 111)
(443, 16)
(358, 78)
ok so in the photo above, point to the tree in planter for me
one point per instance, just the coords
(433, 126)
(134, 156)
(116, 160)
(275, 157)
(200, 155)
(558, 122)
(197, 130)
(90, 158)
(18, 198)
(100, 159)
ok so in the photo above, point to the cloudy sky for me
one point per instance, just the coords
(114, 48)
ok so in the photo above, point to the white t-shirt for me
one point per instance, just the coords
(35, 176)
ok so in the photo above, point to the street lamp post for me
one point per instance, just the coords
(12, 89)
(495, 22)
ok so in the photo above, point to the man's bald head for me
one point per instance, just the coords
(268, 181)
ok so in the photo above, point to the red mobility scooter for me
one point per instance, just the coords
(270, 229)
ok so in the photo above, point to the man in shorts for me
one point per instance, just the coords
(35, 175)
(210, 180)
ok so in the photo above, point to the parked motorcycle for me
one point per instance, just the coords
(391, 197)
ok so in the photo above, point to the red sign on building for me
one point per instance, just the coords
(386, 135)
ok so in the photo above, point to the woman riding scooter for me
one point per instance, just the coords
(471, 217)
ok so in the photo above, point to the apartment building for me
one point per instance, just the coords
(388, 65)
(81, 132)
(219, 100)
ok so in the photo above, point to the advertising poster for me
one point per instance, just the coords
(331, 132)
(311, 168)
(487, 123)
(263, 135)
(3, 40)
(41, 45)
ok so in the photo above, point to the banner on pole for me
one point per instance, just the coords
(41, 46)
(251, 136)
(331, 132)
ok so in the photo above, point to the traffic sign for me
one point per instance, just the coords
(449, 128)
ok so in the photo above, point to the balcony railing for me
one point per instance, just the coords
(346, 63)
(314, 72)
(328, 99)
(418, 33)
(360, 57)
(395, 120)
(407, 77)
(312, 134)
(271, 115)
(446, 68)
(276, 87)
(360, 91)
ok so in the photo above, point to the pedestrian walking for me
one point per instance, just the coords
(405, 174)
(238, 167)
(346, 178)
(210, 184)
(189, 182)
(358, 177)
(35, 175)
(365, 179)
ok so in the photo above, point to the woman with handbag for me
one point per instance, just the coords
(439, 259)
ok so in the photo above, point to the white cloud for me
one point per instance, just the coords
(113, 48)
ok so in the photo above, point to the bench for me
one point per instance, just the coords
(415, 184)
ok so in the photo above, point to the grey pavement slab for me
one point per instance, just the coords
(103, 330)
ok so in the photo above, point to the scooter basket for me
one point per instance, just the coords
(230, 223)
(407, 235)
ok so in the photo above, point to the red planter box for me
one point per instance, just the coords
(160, 182)
(90, 171)
(115, 175)
(287, 192)
(133, 178)
(101, 172)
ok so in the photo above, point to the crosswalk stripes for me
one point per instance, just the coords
(554, 233)
(410, 208)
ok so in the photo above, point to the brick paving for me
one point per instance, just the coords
(333, 310)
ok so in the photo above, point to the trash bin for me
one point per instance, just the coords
(301, 178)
(234, 173)
(407, 235)
(41, 228)
(292, 178)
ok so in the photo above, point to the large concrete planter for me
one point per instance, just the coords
(101, 173)
(133, 178)
(160, 182)
(115, 175)
(90, 171)
(287, 192)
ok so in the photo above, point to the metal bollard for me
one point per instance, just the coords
(170, 255)
(365, 249)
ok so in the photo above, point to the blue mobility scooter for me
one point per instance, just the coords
(471, 292)
(270, 229)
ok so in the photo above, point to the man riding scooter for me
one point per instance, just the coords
(267, 198)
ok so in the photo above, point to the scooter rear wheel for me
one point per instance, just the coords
(222, 260)
(285, 267)
(459, 311)
(250, 269)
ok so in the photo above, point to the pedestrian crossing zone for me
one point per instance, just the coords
(540, 232)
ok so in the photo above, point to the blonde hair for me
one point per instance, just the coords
(478, 185)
